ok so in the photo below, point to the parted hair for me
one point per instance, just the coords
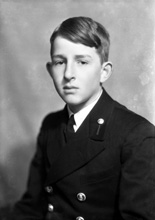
(86, 31)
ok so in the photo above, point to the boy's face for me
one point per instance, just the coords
(76, 71)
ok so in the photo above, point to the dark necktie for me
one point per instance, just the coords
(70, 124)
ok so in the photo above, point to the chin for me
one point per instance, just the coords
(71, 100)
(72, 103)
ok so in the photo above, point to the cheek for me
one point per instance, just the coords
(92, 76)
(56, 76)
(57, 83)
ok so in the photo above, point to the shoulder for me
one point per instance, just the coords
(52, 120)
(119, 114)
(127, 120)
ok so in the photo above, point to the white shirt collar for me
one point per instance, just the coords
(80, 116)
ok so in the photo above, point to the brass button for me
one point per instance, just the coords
(100, 121)
(81, 197)
(50, 207)
(79, 218)
(49, 189)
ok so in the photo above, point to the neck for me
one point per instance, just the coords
(77, 108)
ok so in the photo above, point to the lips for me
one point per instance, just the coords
(70, 89)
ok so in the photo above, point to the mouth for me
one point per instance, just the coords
(70, 88)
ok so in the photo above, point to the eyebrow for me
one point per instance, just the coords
(83, 56)
(58, 56)
(76, 56)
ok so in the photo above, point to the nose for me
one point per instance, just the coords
(69, 72)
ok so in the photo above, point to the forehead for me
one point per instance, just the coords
(62, 46)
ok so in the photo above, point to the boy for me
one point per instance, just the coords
(95, 158)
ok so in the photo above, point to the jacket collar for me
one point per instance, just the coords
(87, 143)
(100, 115)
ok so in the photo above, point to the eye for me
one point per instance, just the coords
(58, 62)
(82, 62)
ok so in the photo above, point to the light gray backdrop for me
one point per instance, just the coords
(26, 90)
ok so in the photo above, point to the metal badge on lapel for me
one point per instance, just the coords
(100, 121)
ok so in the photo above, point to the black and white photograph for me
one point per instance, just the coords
(77, 110)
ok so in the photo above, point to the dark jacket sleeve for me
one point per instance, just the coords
(137, 185)
(33, 204)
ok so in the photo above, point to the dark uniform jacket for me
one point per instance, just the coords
(104, 171)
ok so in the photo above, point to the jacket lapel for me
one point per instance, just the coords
(100, 116)
(87, 143)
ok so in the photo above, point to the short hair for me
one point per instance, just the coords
(86, 31)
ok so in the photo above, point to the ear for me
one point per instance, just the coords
(106, 71)
(49, 68)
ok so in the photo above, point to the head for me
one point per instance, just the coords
(85, 31)
(79, 54)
